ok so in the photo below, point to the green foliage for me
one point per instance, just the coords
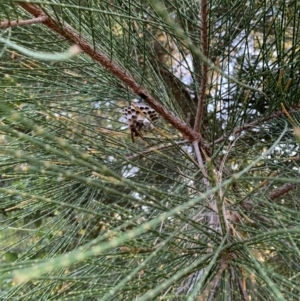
(88, 215)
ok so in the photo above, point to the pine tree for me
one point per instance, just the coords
(149, 150)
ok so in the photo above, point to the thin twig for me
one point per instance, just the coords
(287, 114)
(7, 23)
(204, 67)
(70, 34)
(253, 124)
(276, 193)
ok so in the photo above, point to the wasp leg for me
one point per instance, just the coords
(132, 136)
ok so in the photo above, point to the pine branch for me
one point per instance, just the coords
(276, 193)
(73, 36)
(7, 23)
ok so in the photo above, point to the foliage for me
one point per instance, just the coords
(204, 206)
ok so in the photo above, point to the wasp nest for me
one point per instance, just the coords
(139, 117)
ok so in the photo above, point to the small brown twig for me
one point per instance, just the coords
(276, 193)
(287, 114)
(204, 66)
(7, 23)
(253, 124)
(249, 205)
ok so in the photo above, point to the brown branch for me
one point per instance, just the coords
(8, 23)
(276, 193)
(249, 205)
(71, 35)
(253, 124)
(204, 66)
